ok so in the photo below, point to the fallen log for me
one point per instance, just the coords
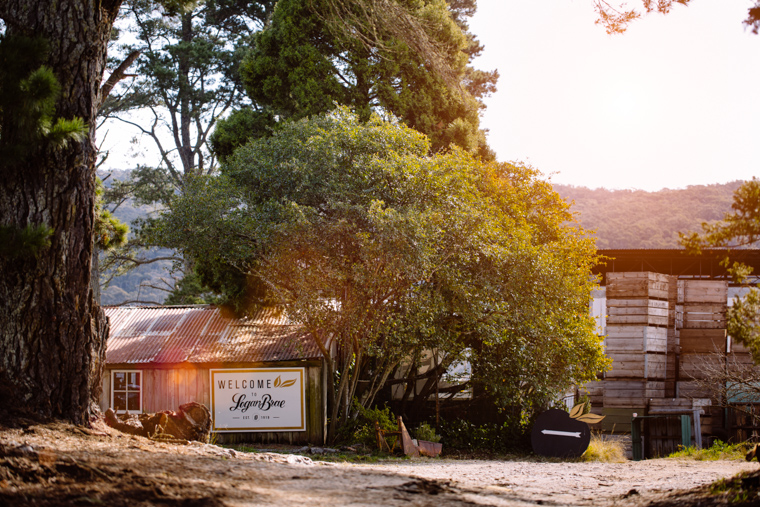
(191, 422)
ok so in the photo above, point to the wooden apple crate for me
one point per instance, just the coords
(703, 341)
(637, 366)
(631, 393)
(742, 363)
(595, 392)
(648, 312)
(672, 339)
(703, 291)
(704, 316)
(736, 347)
(637, 285)
(691, 389)
(700, 366)
(631, 339)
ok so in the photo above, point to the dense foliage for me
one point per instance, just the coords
(409, 58)
(186, 76)
(381, 251)
(301, 64)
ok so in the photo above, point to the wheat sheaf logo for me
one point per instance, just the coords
(278, 382)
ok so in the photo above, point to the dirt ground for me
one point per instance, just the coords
(60, 464)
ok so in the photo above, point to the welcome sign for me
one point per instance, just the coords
(258, 399)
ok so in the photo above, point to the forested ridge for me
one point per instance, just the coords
(140, 283)
(639, 219)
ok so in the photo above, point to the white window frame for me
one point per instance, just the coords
(142, 387)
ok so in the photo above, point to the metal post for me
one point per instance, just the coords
(636, 446)
(686, 431)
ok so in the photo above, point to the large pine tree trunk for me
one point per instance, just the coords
(52, 333)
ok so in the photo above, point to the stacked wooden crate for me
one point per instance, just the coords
(703, 343)
(675, 315)
(637, 321)
(740, 357)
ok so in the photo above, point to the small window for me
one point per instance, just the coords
(126, 391)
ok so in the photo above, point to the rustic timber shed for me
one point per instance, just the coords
(262, 378)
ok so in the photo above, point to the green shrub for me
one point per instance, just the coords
(426, 432)
(361, 429)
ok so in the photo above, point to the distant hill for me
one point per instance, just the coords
(639, 219)
(140, 283)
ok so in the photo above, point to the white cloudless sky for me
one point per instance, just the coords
(674, 101)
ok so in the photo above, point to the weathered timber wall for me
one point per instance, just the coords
(166, 387)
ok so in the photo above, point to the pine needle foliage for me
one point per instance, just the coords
(18, 243)
(28, 93)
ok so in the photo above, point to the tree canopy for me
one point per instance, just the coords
(185, 61)
(306, 61)
(382, 251)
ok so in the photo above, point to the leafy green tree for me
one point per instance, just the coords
(187, 76)
(383, 251)
(302, 64)
(186, 64)
(740, 228)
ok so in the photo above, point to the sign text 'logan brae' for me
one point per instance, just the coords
(258, 399)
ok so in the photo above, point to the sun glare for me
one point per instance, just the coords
(622, 105)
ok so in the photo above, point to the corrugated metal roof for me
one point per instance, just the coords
(165, 334)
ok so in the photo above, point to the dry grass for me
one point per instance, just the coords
(604, 450)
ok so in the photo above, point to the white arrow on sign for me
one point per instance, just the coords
(576, 434)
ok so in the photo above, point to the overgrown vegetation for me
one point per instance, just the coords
(487, 438)
(719, 450)
(742, 489)
(360, 429)
(426, 432)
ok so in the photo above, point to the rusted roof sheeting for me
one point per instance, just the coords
(164, 335)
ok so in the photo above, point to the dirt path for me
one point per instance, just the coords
(518, 483)
(57, 464)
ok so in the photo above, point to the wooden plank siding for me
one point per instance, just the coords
(166, 387)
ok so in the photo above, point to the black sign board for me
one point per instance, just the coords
(556, 434)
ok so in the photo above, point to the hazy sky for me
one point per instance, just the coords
(674, 101)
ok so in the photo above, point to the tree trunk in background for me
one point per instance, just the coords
(52, 333)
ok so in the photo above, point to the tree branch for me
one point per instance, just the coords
(118, 74)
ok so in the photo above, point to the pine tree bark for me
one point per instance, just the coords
(52, 333)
